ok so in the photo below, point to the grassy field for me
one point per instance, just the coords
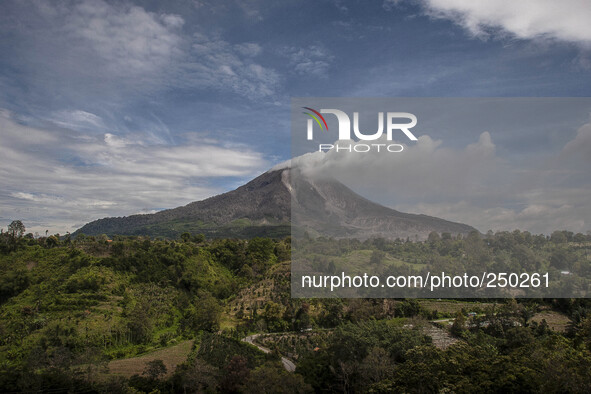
(171, 356)
(451, 306)
(358, 260)
(556, 321)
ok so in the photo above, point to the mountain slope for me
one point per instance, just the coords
(330, 208)
(262, 207)
(258, 208)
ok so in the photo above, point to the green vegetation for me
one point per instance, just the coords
(564, 256)
(240, 228)
(133, 313)
(171, 356)
(500, 356)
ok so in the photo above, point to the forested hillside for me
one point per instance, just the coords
(70, 307)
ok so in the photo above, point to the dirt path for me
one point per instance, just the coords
(287, 363)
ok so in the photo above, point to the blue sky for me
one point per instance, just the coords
(110, 108)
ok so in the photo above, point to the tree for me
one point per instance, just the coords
(260, 252)
(459, 325)
(91, 362)
(186, 237)
(155, 369)
(197, 377)
(205, 314)
(377, 257)
(273, 378)
(558, 237)
(272, 315)
(52, 241)
(433, 237)
(376, 367)
(235, 374)
(139, 323)
(525, 257)
(561, 258)
(332, 313)
(16, 229)
(302, 317)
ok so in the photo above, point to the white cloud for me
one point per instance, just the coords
(127, 38)
(250, 49)
(425, 171)
(389, 5)
(538, 218)
(218, 64)
(312, 60)
(341, 6)
(56, 180)
(566, 20)
(43, 198)
(471, 185)
(174, 21)
(78, 119)
(580, 147)
(115, 141)
(117, 50)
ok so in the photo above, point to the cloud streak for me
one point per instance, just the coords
(121, 52)
(60, 180)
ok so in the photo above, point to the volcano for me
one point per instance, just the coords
(264, 206)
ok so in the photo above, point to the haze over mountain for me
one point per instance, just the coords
(264, 206)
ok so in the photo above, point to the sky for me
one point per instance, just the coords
(111, 108)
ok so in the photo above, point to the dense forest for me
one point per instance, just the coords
(561, 260)
(74, 310)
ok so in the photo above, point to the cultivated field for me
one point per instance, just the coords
(171, 356)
